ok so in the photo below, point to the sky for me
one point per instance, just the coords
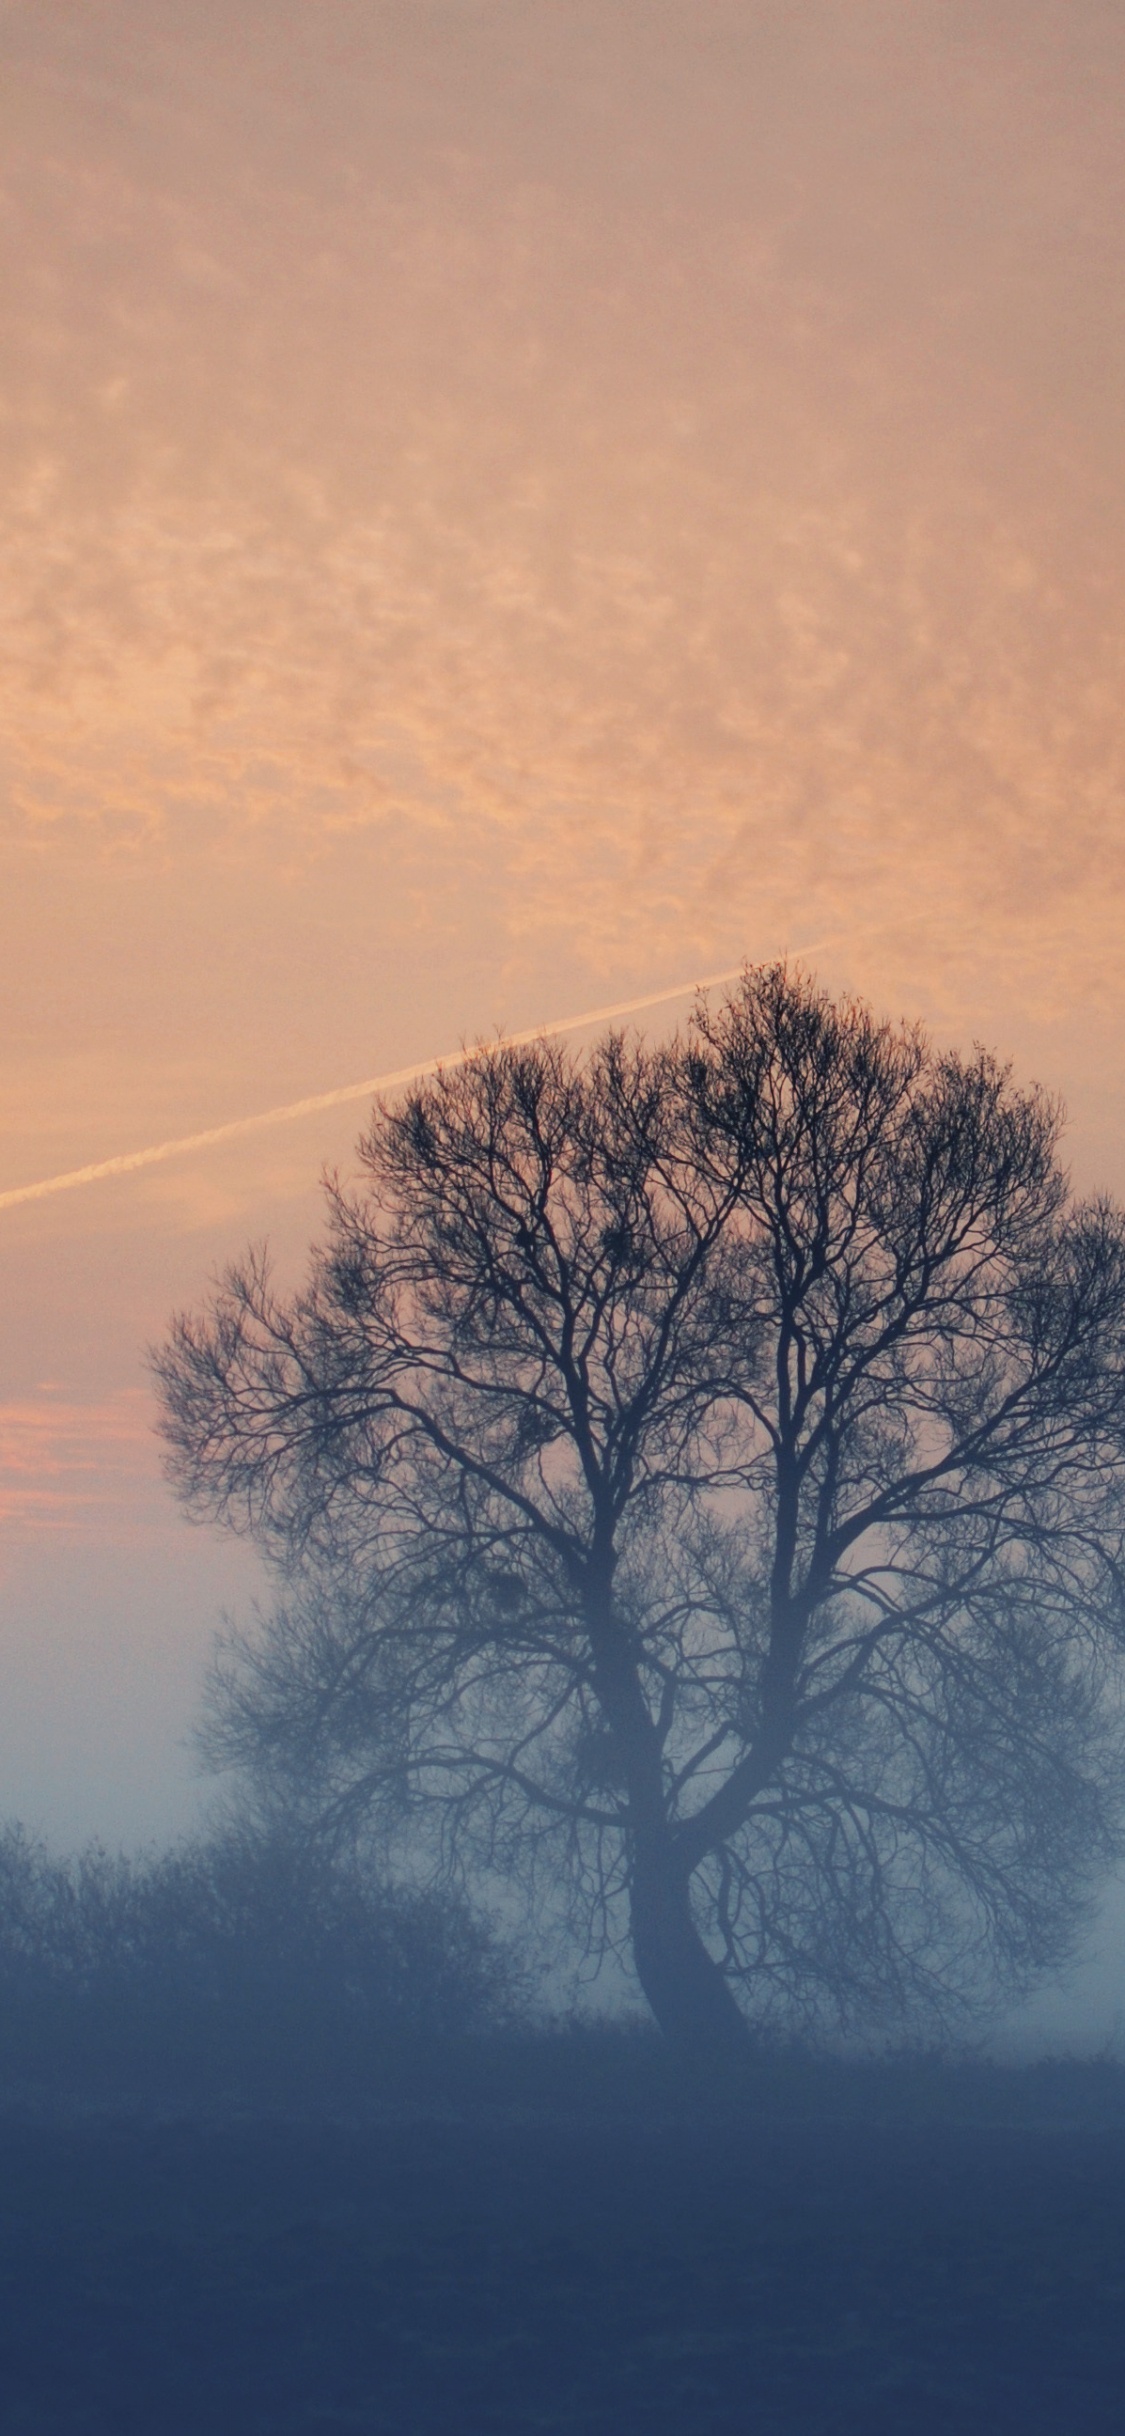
(508, 505)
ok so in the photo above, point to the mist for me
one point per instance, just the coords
(506, 507)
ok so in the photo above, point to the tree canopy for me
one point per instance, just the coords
(700, 1468)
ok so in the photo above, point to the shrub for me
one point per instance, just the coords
(245, 1953)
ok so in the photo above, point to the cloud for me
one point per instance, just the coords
(692, 544)
(70, 1468)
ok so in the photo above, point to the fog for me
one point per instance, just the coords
(507, 505)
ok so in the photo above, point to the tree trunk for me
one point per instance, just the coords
(687, 1991)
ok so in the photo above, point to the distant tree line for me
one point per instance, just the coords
(694, 1476)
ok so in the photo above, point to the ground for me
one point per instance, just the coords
(504, 2270)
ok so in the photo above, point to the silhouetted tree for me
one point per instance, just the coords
(709, 1459)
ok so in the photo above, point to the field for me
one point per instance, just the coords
(850, 2258)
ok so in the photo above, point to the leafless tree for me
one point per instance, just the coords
(705, 1464)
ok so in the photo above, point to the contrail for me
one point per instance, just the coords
(131, 1159)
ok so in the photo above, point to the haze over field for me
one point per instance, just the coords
(505, 507)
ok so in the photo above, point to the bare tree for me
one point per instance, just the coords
(706, 1463)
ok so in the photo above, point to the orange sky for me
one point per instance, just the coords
(508, 502)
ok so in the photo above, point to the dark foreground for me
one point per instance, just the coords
(593, 2276)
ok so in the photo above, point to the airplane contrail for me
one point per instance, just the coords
(131, 1159)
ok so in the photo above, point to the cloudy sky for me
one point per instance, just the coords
(507, 504)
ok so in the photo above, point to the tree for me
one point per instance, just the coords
(706, 1462)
